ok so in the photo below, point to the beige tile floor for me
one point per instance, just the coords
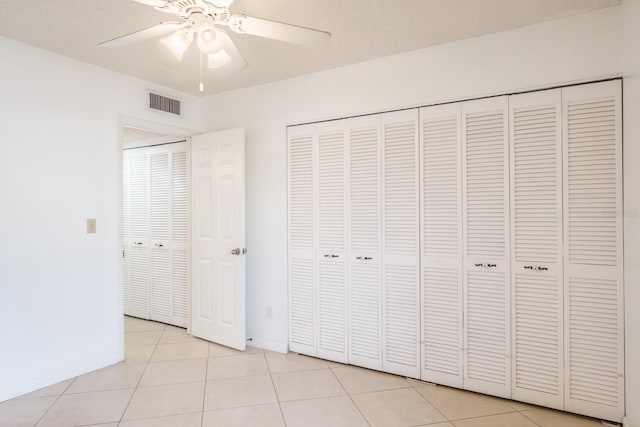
(172, 379)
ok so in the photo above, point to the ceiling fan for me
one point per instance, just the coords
(203, 20)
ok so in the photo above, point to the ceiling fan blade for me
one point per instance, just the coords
(153, 3)
(277, 30)
(237, 60)
(138, 36)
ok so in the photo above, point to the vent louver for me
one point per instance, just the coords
(163, 103)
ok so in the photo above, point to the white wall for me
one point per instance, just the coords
(575, 49)
(60, 308)
(631, 94)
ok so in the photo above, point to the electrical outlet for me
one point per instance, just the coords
(269, 312)
(91, 226)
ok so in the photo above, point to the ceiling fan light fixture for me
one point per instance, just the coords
(178, 42)
(218, 59)
(209, 40)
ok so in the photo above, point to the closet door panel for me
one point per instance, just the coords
(302, 240)
(486, 246)
(180, 233)
(331, 238)
(138, 250)
(365, 292)
(594, 332)
(441, 219)
(400, 237)
(536, 258)
(161, 295)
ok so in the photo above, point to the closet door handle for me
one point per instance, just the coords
(335, 256)
(528, 267)
(137, 243)
(159, 245)
(368, 258)
(359, 257)
(543, 268)
(491, 265)
(235, 251)
(479, 265)
(327, 255)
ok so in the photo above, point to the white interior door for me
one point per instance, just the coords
(218, 231)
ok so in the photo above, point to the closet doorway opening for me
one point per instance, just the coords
(183, 231)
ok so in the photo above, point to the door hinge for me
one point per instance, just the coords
(244, 251)
(123, 256)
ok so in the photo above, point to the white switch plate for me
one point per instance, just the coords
(91, 226)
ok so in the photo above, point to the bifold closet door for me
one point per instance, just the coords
(400, 243)
(594, 309)
(168, 244)
(365, 267)
(486, 293)
(156, 222)
(302, 240)
(331, 237)
(441, 219)
(536, 251)
(137, 240)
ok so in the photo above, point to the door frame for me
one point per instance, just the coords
(150, 126)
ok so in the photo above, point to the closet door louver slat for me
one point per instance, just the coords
(331, 238)
(441, 218)
(302, 280)
(365, 298)
(536, 259)
(485, 169)
(594, 332)
(400, 235)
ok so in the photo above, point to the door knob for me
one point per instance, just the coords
(235, 251)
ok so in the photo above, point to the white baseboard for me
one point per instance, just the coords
(269, 345)
(70, 371)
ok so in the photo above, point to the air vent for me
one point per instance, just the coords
(163, 103)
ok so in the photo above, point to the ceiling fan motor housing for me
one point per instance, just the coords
(218, 9)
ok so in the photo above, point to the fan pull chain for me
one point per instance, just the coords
(201, 72)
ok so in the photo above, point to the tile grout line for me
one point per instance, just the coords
(54, 402)
(350, 397)
(525, 415)
(430, 403)
(204, 393)
(273, 384)
(135, 389)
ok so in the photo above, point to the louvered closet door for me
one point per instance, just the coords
(331, 238)
(536, 251)
(441, 218)
(160, 249)
(179, 232)
(138, 247)
(365, 296)
(594, 352)
(485, 170)
(302, 279)
(400, 237)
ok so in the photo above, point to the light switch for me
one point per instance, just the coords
(91, 226)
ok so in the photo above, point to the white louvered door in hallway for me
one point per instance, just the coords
(156, 225)
(593, 275)
(485, 175)
(441, 245)
(536, 256)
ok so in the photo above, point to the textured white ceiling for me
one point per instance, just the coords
(362, 30)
